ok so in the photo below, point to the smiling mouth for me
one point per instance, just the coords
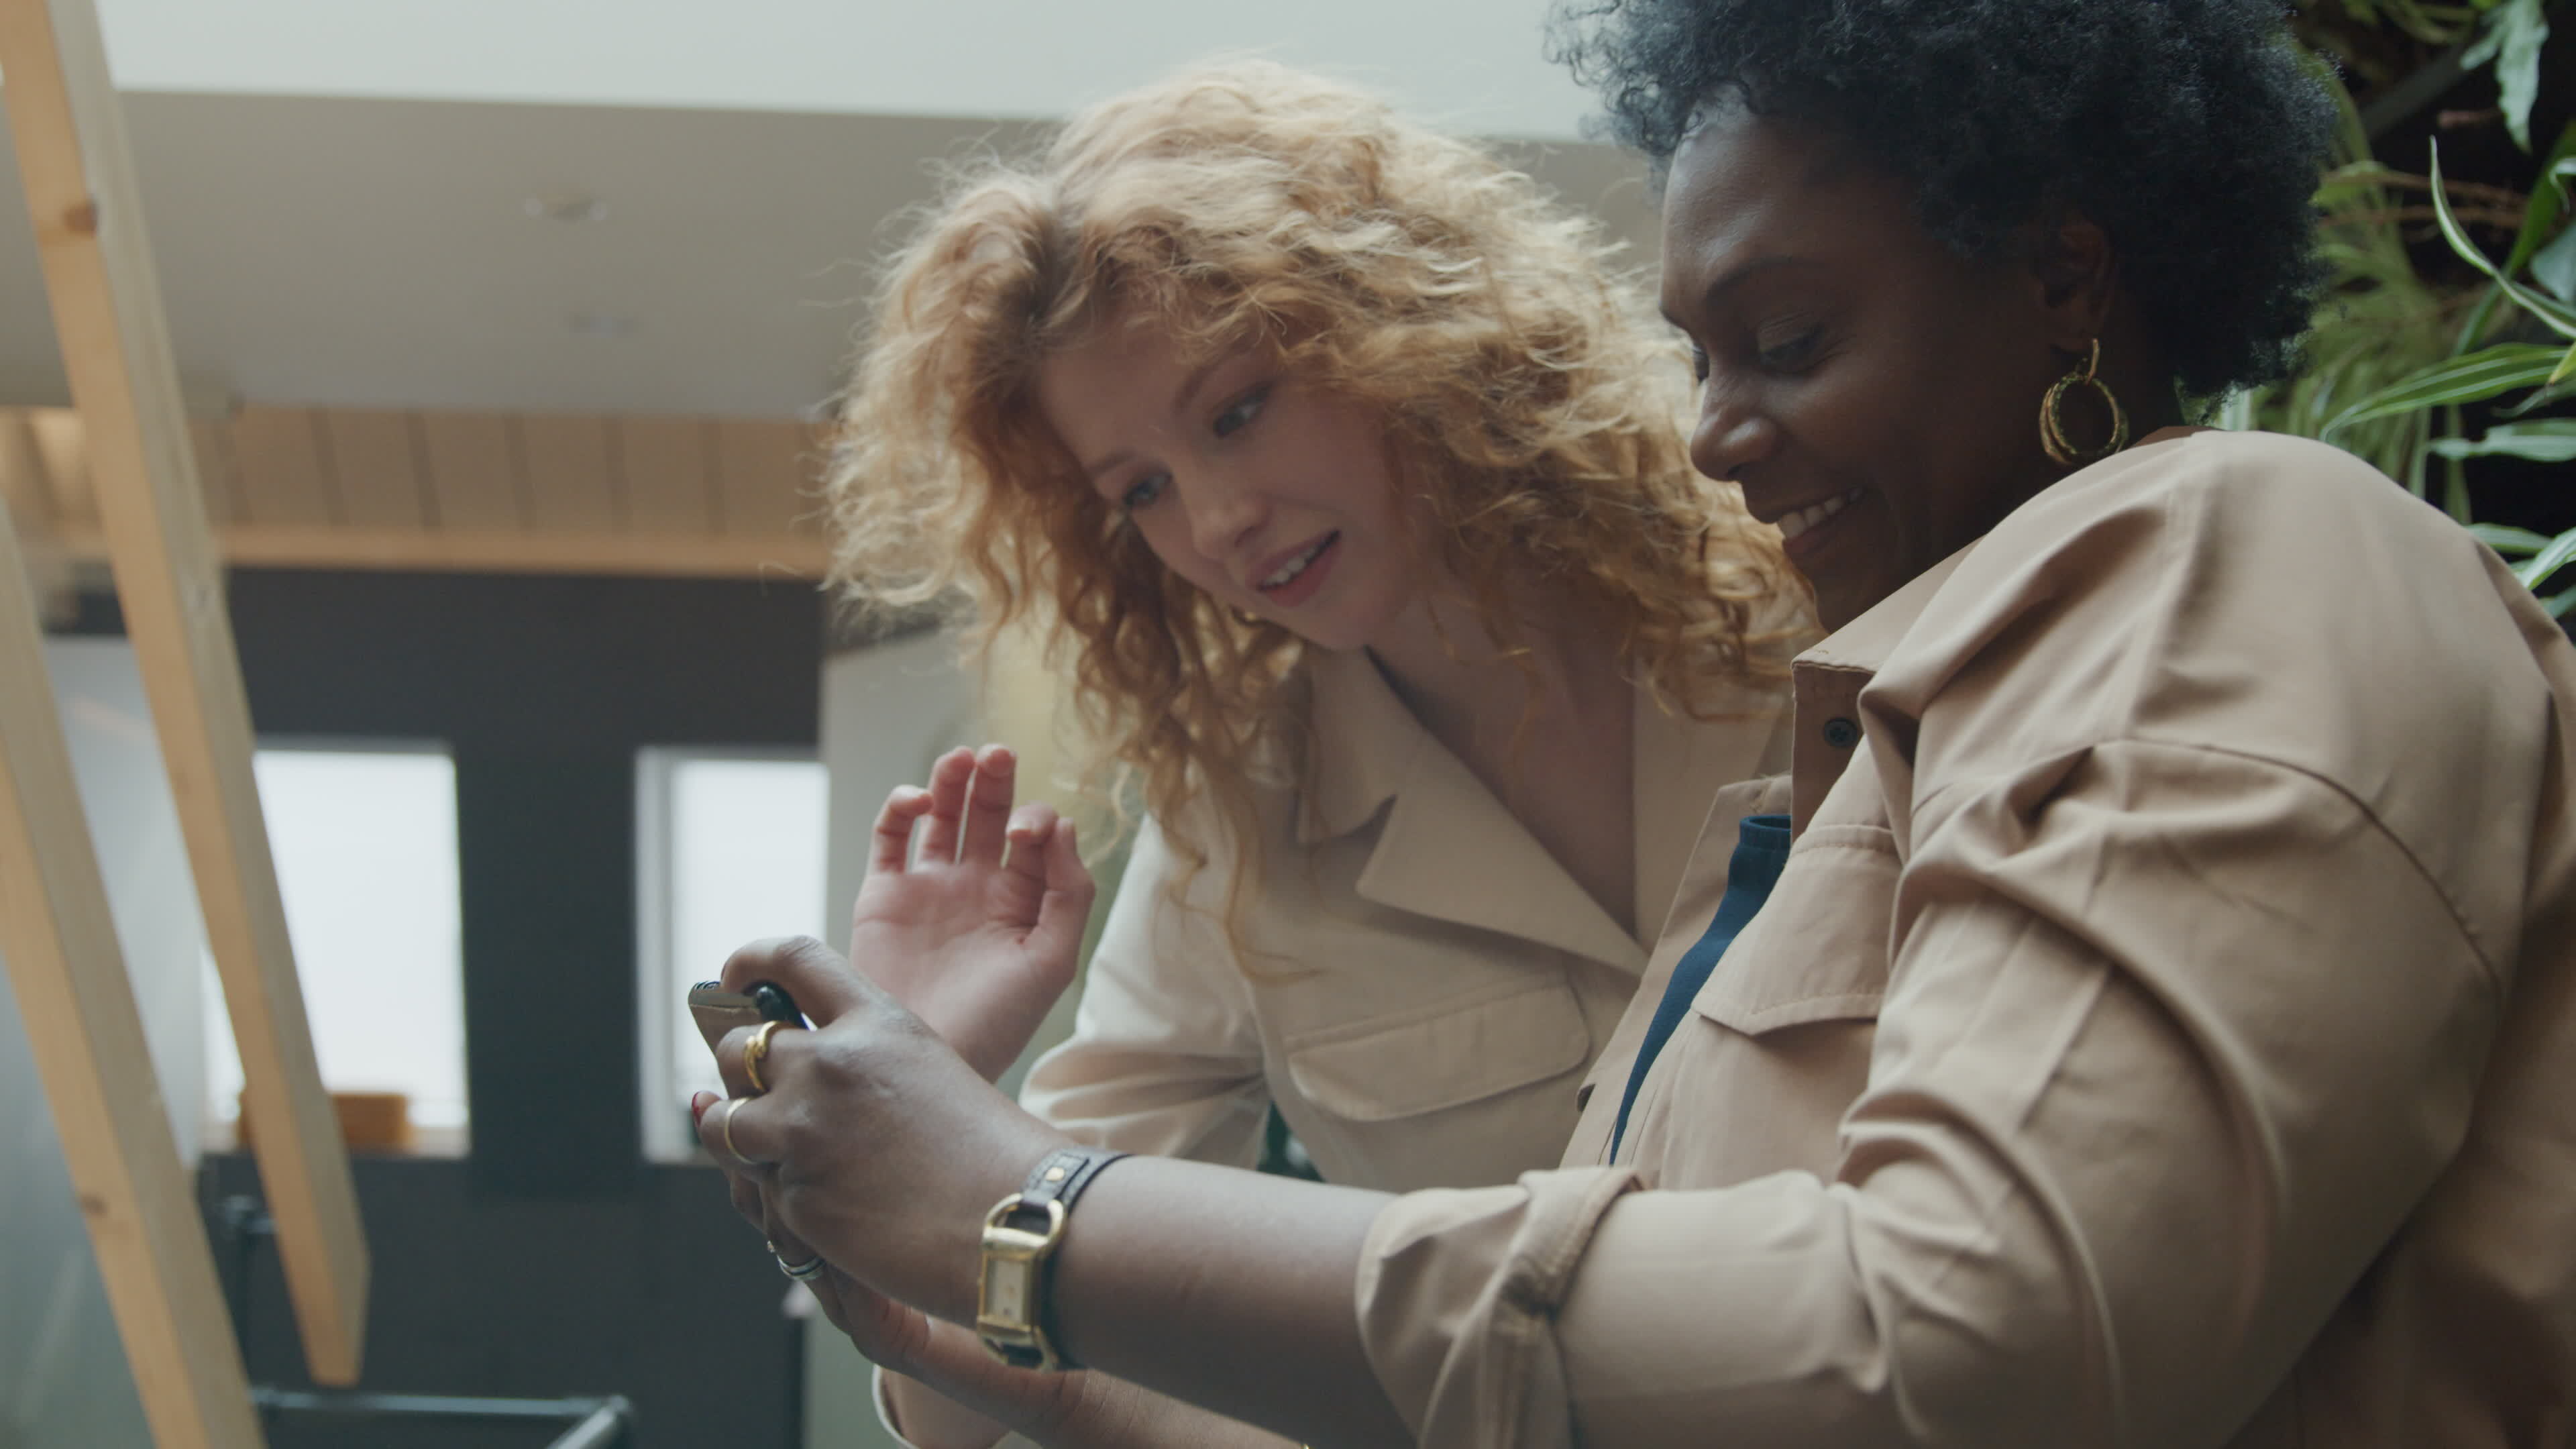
(1287, 573)
(1792, 525)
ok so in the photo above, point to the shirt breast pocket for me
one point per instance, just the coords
(1781, 1041)
(1817, 950)
(1442, 1056)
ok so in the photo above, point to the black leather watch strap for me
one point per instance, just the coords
(1059, 1176)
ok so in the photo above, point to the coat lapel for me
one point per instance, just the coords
(1681, 765)
(1450, 850)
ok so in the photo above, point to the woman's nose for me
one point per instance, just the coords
(1223, 512)
(1731, 435)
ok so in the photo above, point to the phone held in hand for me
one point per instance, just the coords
(718, 1010)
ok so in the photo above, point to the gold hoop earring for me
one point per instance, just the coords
(2052, 428)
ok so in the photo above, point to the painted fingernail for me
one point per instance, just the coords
(699, 1102)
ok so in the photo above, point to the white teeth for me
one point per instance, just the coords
(1807, 518)
(1295, 566)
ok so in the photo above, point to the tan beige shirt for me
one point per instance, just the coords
(1420, 986)
(2163, 1033)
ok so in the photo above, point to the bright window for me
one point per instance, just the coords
(731, 850)
(365, 844)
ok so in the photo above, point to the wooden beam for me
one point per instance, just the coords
(87, 1038)
(277, 455)
(500, 551)
(90, 236)
(767, 475)
(375, 468)
(473, 475)
(566, 457)
(668, 473)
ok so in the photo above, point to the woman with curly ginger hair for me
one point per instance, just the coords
(1350, 484)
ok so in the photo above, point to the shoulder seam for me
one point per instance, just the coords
(2459, 919)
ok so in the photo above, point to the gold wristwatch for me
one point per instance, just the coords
(1020, 1238)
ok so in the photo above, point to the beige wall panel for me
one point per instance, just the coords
(23, 485)
(278, 460)
(567, 473)
(62, 447)
(665, 470)
(216, 474)
(375, 468)
(768, 478)
(473, 470)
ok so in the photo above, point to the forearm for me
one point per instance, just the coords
(1085, 1411)
(930, 1419)
(1230, 1290)
(1115, 1414)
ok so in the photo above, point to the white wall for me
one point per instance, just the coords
(888, 711)
(63, 1377)
(1473, 65)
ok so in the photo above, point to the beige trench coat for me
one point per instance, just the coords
(1421, 987)
(1431, 987)
(2163, 1032)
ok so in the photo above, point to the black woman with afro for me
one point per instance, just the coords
(2151, 1018)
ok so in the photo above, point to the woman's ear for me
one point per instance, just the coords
(2078, 275)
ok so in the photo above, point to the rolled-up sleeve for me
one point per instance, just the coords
(2121, 1152)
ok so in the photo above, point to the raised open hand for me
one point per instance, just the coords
(976, 933)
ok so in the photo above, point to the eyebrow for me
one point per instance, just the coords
(1737, 277)
(1181, 399)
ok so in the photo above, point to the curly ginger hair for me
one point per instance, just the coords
(1531, 411)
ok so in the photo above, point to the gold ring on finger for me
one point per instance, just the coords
(755, 1050)
(731, 1106)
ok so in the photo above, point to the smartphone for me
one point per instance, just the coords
(719, 1011)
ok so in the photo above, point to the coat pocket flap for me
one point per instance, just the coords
(1817, 950)
(1443, 1056)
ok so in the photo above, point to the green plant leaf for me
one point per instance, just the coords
(2558, 317)
(2553, 441)
(2514, 33)
(2553, 393)
(2473, 378)
(2554, 266)
(2536, 570)
(2559, 603)
(2548, 205)
(2506, 539)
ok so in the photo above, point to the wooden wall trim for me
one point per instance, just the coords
(86, 1035)
(496, 551)
(91, 239)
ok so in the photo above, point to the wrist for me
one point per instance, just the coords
(956, 1212)
(1014, 1308)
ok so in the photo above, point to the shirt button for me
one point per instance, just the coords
(1841, 733)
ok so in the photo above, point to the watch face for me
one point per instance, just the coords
(1006, 1289)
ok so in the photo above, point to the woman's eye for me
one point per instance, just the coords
(1144, 491)
(1241, 411)
(1699, 363)
(1792, 354)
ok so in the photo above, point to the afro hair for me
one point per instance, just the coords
(2189, 129)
